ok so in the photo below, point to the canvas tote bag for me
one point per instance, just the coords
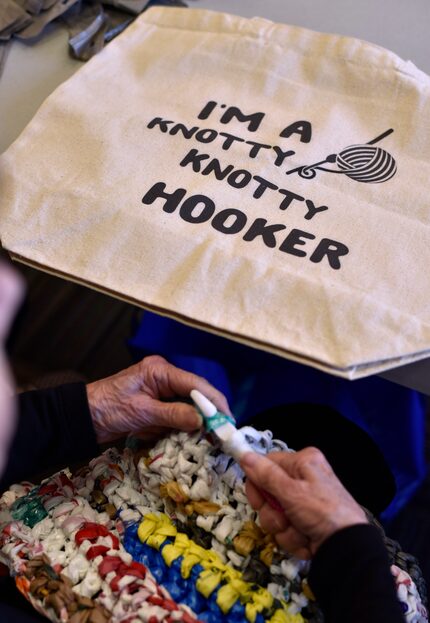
(261, 181)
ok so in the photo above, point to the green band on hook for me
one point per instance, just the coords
(215, 421)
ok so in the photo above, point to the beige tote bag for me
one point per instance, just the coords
(261, 181)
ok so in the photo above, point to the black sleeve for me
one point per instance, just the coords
(351, 579)
(54, 429)
(20, 611)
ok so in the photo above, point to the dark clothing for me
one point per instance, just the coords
(54, 430)
(350, 574)
(351, 579)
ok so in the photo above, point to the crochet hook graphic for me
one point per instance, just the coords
(231, 440)
(362, 163)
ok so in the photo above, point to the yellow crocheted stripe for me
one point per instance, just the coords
(280, 616)
(155, 529)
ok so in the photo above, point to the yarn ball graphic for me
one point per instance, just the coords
(366, 163)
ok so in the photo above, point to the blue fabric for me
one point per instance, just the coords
(253, 381)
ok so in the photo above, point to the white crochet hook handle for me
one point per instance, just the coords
(232, 440)
(222, 426)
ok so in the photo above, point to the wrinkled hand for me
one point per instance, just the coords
(131, 401)
(315, 502)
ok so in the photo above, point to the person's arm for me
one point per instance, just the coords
(54, 429)
(351, 579)
(62, 426)
(350, 572)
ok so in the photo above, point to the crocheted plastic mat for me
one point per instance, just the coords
(168, 537)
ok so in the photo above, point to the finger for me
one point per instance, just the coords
(283, 459)
(182, 382)
(309, 463)
(254, 496)
(293, 542)
(215, 396)
(267, 475)
(271, 520)
(177, 415)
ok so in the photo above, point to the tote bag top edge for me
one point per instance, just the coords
(303, 40)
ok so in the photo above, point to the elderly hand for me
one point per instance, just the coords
(131, 401)
(315, 502)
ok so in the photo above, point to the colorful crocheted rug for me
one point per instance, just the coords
(168, 536)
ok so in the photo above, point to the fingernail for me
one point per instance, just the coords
(198, 420)
(249, 459)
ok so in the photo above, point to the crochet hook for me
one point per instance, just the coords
(232, 440)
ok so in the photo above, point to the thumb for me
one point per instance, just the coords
(177, 415)
(266, 474)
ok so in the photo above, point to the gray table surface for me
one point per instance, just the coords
(32, 71)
